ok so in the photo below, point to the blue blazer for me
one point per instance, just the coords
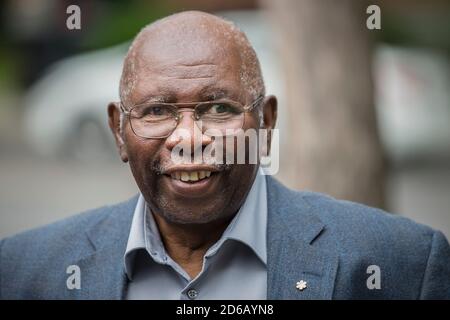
(330, 244)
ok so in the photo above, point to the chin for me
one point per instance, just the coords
(190, 217)
(179, 210)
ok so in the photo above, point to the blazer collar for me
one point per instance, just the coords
(294, 250)
(102, 271)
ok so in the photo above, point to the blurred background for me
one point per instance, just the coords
(364, 115)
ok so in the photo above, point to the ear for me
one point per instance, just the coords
(269, 109)
(114, 124)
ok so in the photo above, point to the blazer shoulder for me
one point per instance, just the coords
(33, 262)
(414, 258)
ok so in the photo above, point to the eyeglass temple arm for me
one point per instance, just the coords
(255, 103)
(122, 108)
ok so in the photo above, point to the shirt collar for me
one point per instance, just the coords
(250, 223)
(248, 227)
(136, 238)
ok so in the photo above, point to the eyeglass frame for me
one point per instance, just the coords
(185, 105)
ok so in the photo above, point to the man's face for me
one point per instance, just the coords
(202, 72)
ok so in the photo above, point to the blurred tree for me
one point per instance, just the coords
(332, 139)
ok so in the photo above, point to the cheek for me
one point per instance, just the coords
(143, 154)
(251, 120)
(138, 147)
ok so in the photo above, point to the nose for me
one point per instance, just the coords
(187, 134)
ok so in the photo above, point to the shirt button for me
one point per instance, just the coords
(192, 294)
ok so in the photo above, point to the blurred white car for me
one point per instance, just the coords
(66, 108)
(413, 102)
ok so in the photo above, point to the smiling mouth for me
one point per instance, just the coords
(192, 183)
(190, 176)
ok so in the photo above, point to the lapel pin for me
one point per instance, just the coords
(301, 285)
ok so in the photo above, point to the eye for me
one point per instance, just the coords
(157, 111)
(221, 109)
(153, 112)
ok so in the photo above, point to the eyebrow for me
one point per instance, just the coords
(206, 94)
(211, 94)
(155, 99)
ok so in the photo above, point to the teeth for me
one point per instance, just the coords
(190, 176)
(184, 176)
(193, 176)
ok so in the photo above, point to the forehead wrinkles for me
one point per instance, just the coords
(186, 68)
(182, 71)
(183, 45)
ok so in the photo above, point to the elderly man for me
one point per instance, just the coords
(209, 230)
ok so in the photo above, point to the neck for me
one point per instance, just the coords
(187, 244)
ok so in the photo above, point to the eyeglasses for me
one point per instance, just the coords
(159, 120)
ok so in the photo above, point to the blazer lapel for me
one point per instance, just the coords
(102, 269)
(294, 251)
